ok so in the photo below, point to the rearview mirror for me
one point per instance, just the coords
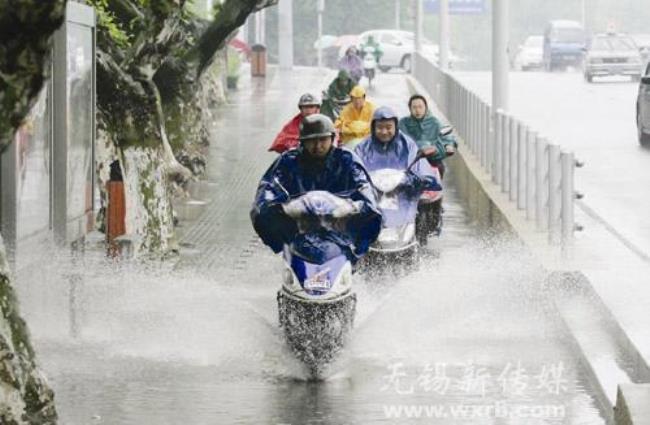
(446, 131)
(645, 80)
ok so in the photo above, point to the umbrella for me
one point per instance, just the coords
(325, 41)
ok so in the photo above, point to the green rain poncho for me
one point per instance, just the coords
(426, 132)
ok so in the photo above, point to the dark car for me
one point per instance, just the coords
(643, 108)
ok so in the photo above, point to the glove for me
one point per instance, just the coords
(294, 209)
(410, 180)
(347, 208)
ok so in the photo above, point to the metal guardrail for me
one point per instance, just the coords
(536, 175)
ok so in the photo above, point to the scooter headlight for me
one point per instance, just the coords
(288, 277)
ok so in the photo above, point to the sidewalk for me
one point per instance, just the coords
(237, 158)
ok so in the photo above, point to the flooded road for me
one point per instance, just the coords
(469, 337)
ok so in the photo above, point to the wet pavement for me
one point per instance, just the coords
(469, 337)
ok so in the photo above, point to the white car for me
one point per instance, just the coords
(530, 54)
(612, 54)
(398, 47)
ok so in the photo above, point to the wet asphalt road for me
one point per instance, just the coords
(470, 335)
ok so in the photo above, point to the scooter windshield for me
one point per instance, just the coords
(397, 207)
(320, 236)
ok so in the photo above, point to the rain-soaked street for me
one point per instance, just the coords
(471, 336)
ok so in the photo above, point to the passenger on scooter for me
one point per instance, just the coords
(317, 165)
(354, 121)
(352, 63)
(338, 89)
(424, 129)
(287, 138)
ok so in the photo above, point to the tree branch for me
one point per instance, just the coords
(232, 15)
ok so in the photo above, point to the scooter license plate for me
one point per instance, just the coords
(318, 284)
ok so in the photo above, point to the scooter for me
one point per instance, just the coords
(317, 302)
(429, 217)
(333, 107)
(369, 64)
(397, 242)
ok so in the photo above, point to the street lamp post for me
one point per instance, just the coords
(398, 7)
(500, 64)
(321, 9)
(419, 15)
(285, 33)
(444, 35)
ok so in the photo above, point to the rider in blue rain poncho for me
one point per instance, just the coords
(388, 147)
(316, 165)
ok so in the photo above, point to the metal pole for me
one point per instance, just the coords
(481, 132)
(489, 139)
(419, 31)
(321, 8)
(496, 148)
(530, 174)
(398, 8)
(568, 197)
(263, 26)
(258, 29)
(514, 146)
(444, 35)
(505, 153)
(500, 66)
(554, 194)
(285, 33)
(541, 184)
(521, 167)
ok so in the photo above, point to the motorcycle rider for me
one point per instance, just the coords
(354, 121)
(316, 165)
(352, 63)
(338, 89)
(388, 147)
(424, 129)
(287, 138)
(372, 47)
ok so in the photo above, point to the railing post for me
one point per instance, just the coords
(487, 159)
(541, 184)
(474, 126)
(554, 194)
(505, 154)
(568, 198)
(530, 174)
(496, 149)
(521, 167)
(514, 141)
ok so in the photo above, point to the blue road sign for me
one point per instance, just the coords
(458, 7)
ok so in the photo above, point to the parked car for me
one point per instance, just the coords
(564, 43)
(398, 47)
(643, 43)
(530, 55)
(612, 54)
(643, 108)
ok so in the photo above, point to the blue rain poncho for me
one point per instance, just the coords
(398, 154)
(294, 174)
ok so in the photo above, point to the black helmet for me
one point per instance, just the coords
(308, 99)
(315, 126)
